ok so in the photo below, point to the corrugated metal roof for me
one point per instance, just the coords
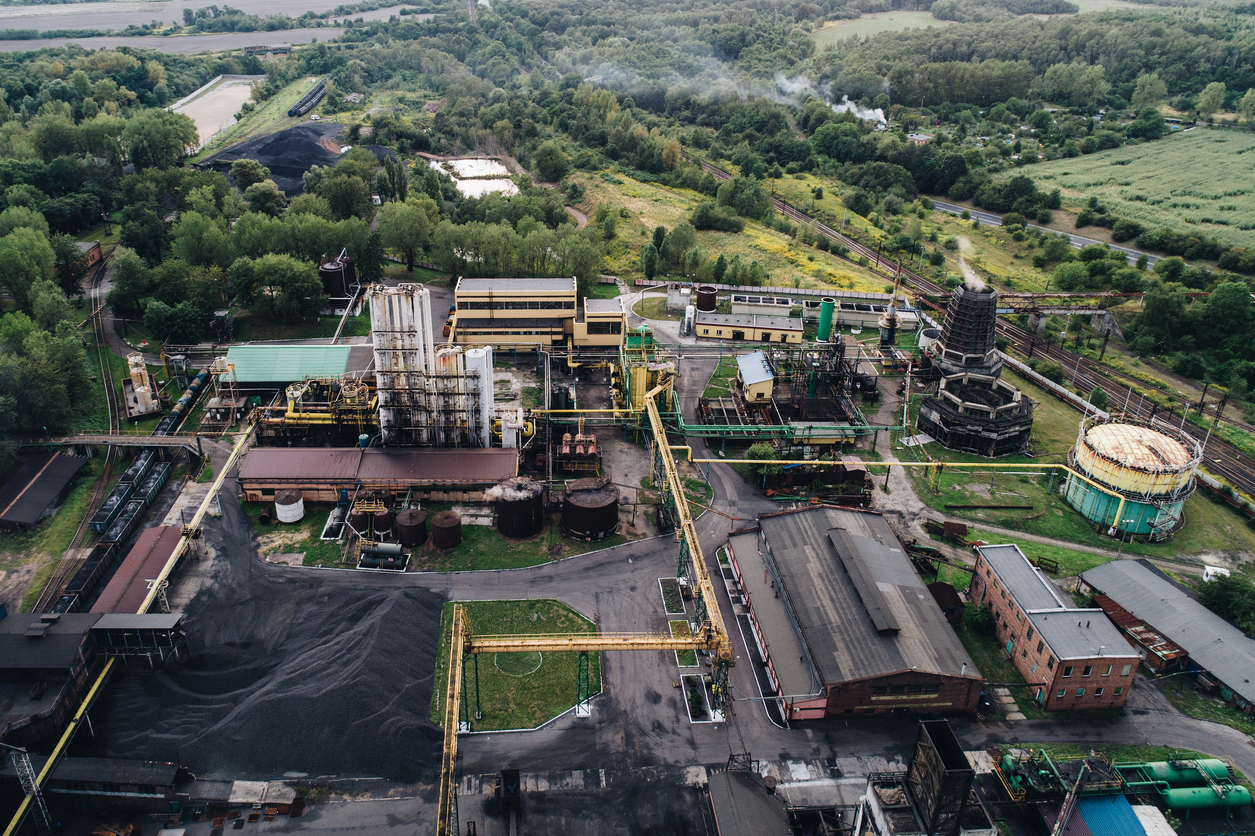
(128, 587)
(1153, 821)
(1031, 589)
(286, 363)
(36, 485)
(775, 323)
(843, 641)
(57, 648)
(401, 464)
(135, 621)
(1081, 634)
(1213, 643)
(743, 808)
(102, 770)
(754, 368)
(1110, 814)
(515, 285)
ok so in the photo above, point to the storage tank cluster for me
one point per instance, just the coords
(581, 446)
(1147, 472)
(590, 509)
(520, 504)
(1202, 784)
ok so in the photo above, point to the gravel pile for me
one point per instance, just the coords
(290, 672)
(290, 153)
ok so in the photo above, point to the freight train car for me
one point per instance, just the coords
(310, 99)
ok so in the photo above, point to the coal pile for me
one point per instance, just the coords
(290, 153)
(315, 673)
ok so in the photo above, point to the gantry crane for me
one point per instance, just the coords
(710, 636)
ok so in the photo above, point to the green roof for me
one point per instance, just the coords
(287, 363)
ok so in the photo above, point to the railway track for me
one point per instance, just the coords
(1220, 457)
(70, 560)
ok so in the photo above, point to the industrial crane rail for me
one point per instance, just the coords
(711, 635)
(190, 532)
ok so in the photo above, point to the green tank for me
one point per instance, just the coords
(826, 308)
(1204, 798)
(1185, 773)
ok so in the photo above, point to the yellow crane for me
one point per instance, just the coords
(711, 634)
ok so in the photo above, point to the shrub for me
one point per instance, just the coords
(1051, 371)
(711, 217)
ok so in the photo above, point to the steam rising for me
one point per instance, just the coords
(864, 113)
(513, 490)
(970, 277)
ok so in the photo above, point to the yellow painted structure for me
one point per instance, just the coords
(1134, 459)
(748, 327)
(532, 314)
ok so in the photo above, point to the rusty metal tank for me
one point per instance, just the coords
(590, 509)
(339, 277)
(359, 521)
(520, 506)
(411, 527)
(707, 298)
(383, 523)
(446, 530)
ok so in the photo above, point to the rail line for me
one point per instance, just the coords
(1221, 457)
(71, 560)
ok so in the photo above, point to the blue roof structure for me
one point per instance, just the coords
(1110, 814)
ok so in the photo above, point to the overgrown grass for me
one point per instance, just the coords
(249, 328)
(523, 700)
(720, 383)
(655, 307)
(874, 24)
(531, 397)
(603, 291)
(1071, 562)
(206, 473)
(301, 536)
(1180, 692)
(994, 664)
(683, 658)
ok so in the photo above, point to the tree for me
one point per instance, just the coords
(763, 452)
(405, 228)
(17, 217)
(1149, 124)
(181, 324)
(1227, 313)
(145, 233)
(679, 241)
(649, 261)
(720, 269)
(348, 196)
(551, 162)
(1211, 99)
(265, 197)
(49, 305)
(25, 258)
(198, 240)
(1231, 597)
(394, 184)
(247, 172)
(70, 263)
(1149, 91)
(1098, 397)
(370, 259)
(132, 280)
(660, 236)
(1071, 275)
(1246, 107)
(157, 138)
(279, 287)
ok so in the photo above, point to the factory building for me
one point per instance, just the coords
(748, 327)
(533, 313)
(755, 376)
(256, 367)
(1147, 473)
(1163, 617)
(1071, 658)
(973, 411)
(37, 485)
(320, 474)
(842, 624)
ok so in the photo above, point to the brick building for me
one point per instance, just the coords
(840, 622)
(1072, 658)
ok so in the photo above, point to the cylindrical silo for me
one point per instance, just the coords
(334, 274)
(520, 507)
(289, 506)
(590, 509)
(928, 336)
(446, 530)
(707, 298)
(826, 307)
(359, 520)
(412, 527)
(382, 520)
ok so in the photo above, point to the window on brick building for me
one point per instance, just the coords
(1088, 670)
(1080, 692)
(1124, 671)
(932, 689)
(1067, 671)
(1062, 693)
(879, 689)
(1040, 645)
(1107, 672)
(1004, 595)
(1119, 691)
(895, 689)
(1098, 692)
(915, 689)
(1034, 669)
(1018, 617)
(1029, 635)
(1023, 654)
(1050, 663)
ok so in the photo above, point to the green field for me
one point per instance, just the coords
(516, 690)
(874, 24)
(1197, 181)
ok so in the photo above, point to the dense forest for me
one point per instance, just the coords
(621, 89)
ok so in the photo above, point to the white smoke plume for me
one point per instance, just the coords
(512, 490)
(864, 113)
(970, 276)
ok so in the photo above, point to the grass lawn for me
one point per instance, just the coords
(249, 328)
(283, 538)
(531, 397)
(683, 658)
(874, 24)
(603, 291)
(483, 547)
(516, 690)
(655, 307)
(1180, 692)
(720, 383)
(994, 664)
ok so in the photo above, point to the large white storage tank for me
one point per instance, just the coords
(289, 506)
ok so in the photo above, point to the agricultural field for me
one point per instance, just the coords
(1197, 181)
(874, 24)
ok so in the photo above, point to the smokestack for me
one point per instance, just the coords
(967, 338)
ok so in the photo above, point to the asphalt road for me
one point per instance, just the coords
(1078, 241)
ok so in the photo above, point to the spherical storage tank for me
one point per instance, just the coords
(412, 527)
(446, 530)
(520, 506)
(1150, 468)
(289, 506)
(590, 509)
(707, 298)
